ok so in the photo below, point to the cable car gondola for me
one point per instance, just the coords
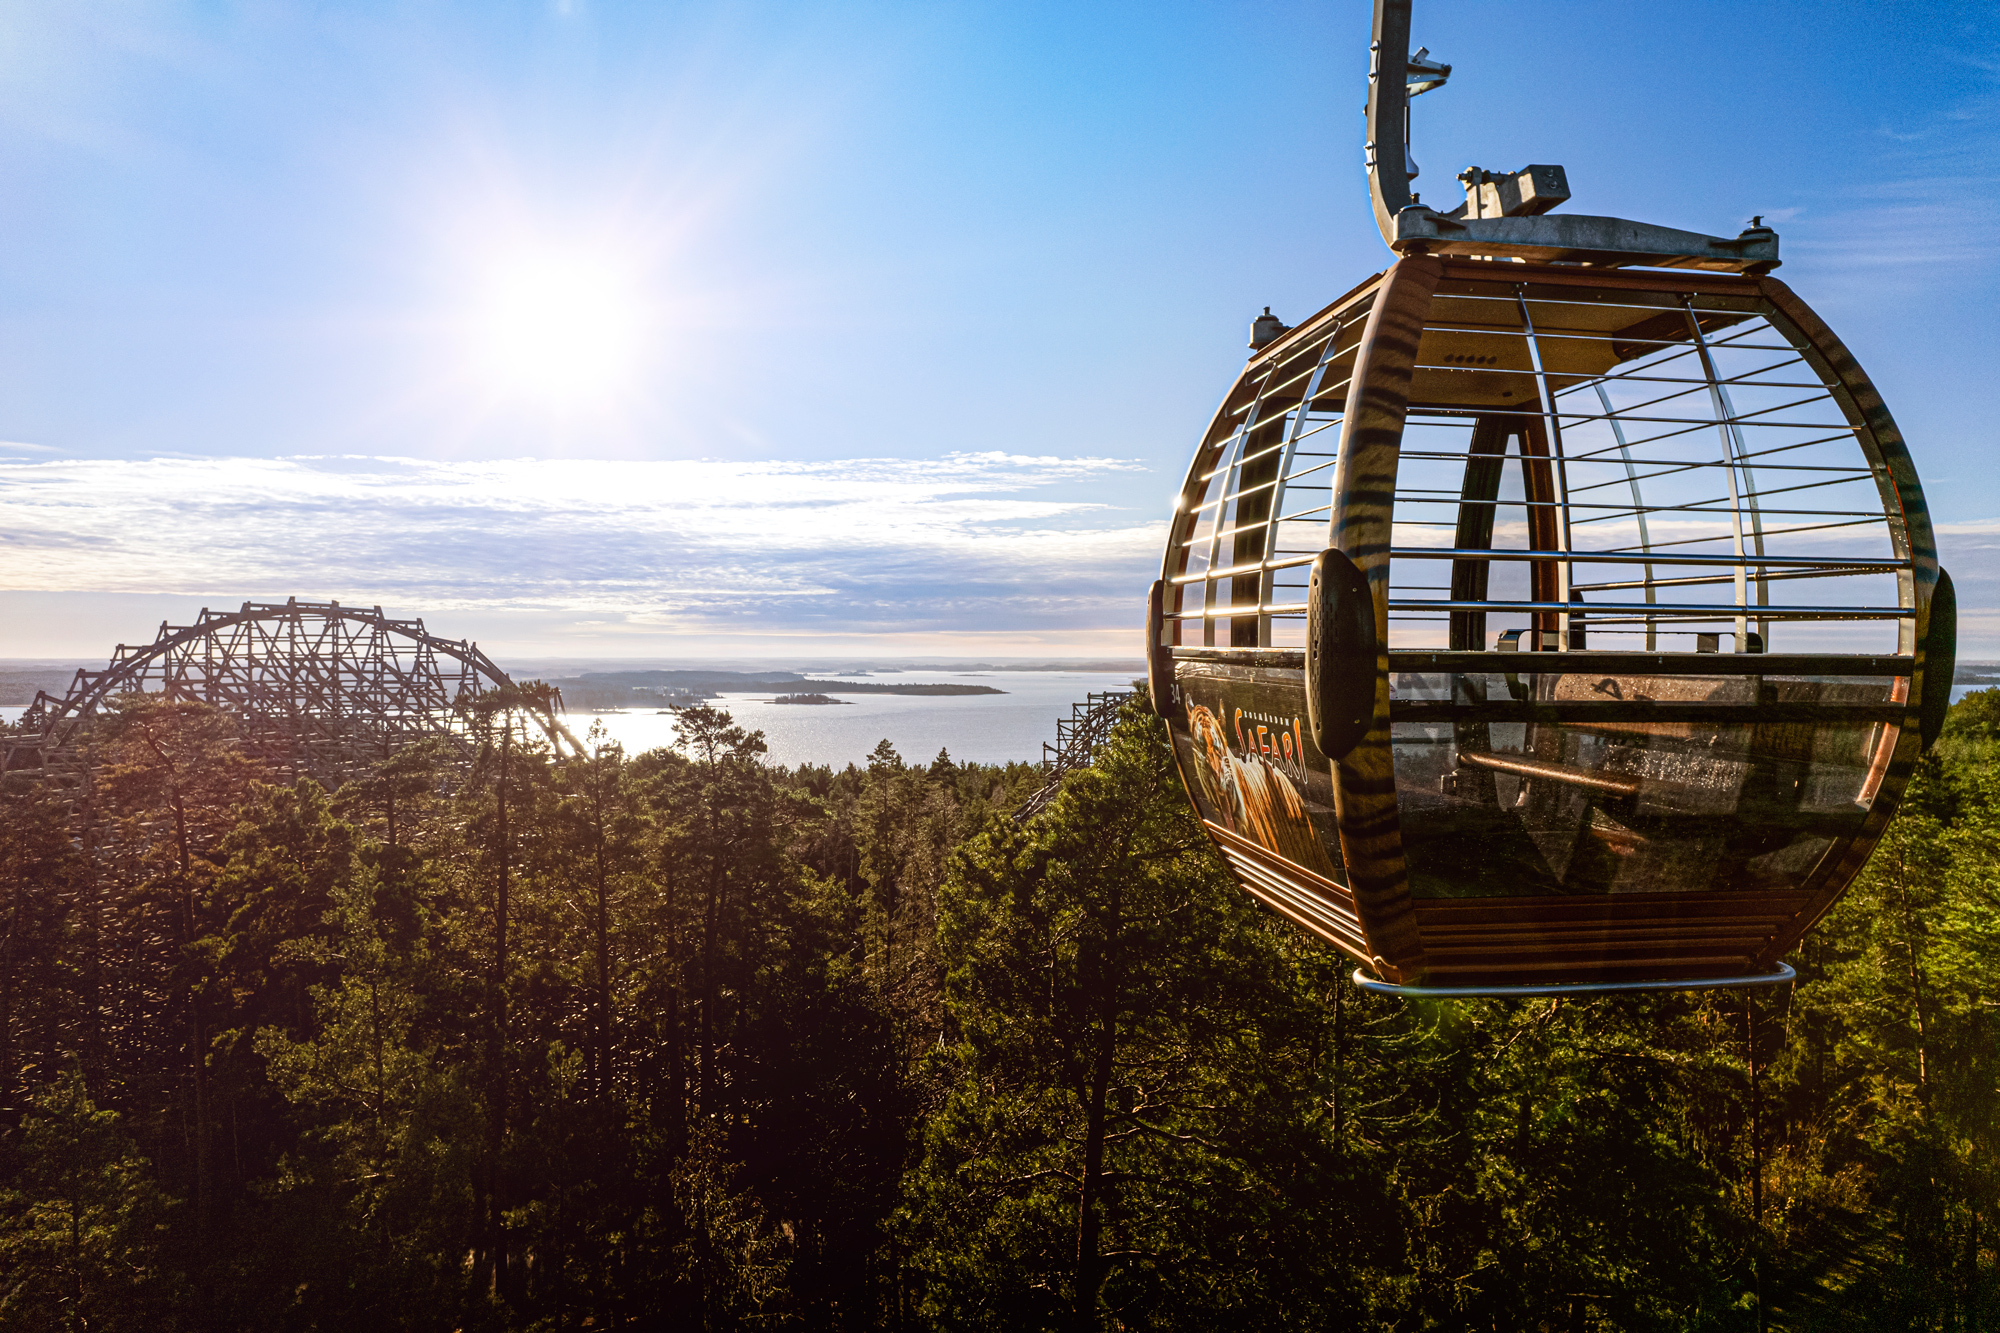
(1556, 609)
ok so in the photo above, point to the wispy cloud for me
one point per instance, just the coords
(1977, 527)
(992, 540)
(1924, 208)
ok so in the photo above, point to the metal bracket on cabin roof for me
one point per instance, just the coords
(1504, 215)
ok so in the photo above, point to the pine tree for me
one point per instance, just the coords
(1131, 1038)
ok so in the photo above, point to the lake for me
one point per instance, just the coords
(976, 728)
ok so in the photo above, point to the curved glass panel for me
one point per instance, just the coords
(1626, 805)
(1255, 511)
(1697, 489)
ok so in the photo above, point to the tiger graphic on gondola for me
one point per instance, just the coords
(1252, 797)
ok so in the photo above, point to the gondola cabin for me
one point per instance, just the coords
(1545, 614)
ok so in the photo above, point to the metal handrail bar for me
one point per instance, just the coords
(1580, 336)
(1842, 428)
(1587, 712)
(1743, 419)
(1750, 317)
(1235, 528)
(1753, 507)
(1613, 661)
(1280, 387)
(1633, 411)
(1613, 511)
(1853, 473)
(1355, 318)
(1619, 558)
(1745, 378)
(1680, 345)
(1563, 300)
(1427, 495)
(1863, 521)
(1439, 455)
(1541, 300)
(1711, 579)
(1842, 435)
(1553, 299)
(1369, 982)
(1263, 383)
(1606, 513)
(1235, 445)
(1803, 566)
(1742, 381)
(1329, 457)
(1300, 415)
(1303, 515)
(1206, 505)
(1588, 610)
(1611, 377)
(1211, 474)
(1619, 661)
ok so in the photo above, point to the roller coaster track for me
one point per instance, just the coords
(1077, 739)
(315, 687)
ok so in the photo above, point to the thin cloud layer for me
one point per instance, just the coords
(995, 540)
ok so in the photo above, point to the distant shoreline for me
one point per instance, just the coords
(871, 687)
(601, 691)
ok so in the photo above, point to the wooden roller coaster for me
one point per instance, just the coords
(315, 687)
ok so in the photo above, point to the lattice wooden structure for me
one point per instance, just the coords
(315, 687)
(1077, 738)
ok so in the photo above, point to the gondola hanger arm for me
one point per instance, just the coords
(1503, 213)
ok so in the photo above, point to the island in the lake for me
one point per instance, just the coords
(806, 699)
(610, 691)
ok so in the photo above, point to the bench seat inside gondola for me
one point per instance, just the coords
(1562, 803)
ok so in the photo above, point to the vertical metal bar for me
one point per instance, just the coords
(1638, 506)
(1230, 477)
(1739, 461)
(1733, 452)
(1550, 424)
(1386, 149)
(1267, 585)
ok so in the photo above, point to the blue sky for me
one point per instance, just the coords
(918, 308)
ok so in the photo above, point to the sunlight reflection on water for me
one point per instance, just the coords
(976, 728)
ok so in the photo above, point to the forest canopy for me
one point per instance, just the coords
(688, 1040)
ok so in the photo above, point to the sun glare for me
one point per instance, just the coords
(563, 328)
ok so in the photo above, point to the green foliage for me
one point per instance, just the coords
(1137, 1048)
(85, 1232)
(1975, 717)
(683, 1040)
